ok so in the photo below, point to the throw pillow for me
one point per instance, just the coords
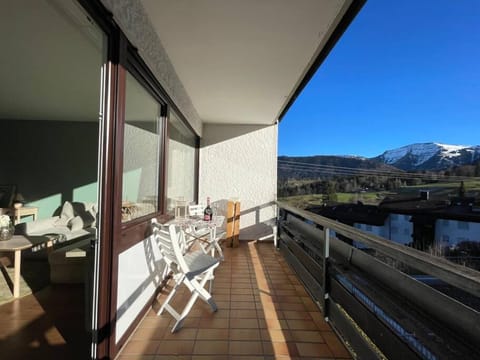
(87, 218)
(61, 221)
(67, 210)
(76, 223)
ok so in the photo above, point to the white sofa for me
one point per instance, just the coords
(75, 220)
(64, 239)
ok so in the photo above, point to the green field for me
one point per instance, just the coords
(447, 190)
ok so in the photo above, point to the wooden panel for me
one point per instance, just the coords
(233, 223)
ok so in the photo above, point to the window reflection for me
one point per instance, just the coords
(141, 156)
(180, 163)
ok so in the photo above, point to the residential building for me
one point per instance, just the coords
(423, 223)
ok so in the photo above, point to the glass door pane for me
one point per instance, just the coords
(141, 156)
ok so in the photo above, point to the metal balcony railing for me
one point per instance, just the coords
(384, 299)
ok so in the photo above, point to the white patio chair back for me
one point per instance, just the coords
(193, 269)
(196, 210)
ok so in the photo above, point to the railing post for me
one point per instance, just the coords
(326, 272)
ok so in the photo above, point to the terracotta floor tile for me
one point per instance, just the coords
(242, 290)
(213, 334)
(274, 323)
(213, 347)
(214, 323)
(289, 299)
(148, 333)
(275, 335)
(173, 347)
(182, 334)
(245, 305)
(307, 336)
(217, 291)
(286, 292)
(280, 349)
(320, 321)
(244, 324)
(244, 334)
(220, 305)
(291, 306)
(141, 347)
(243, 297)
(298, 315)
(314, 350)
(162, 321)
(337, 347)
(301, 325)
(221, 297)
(190, 322)
(137, 357)
(309, 303)
(247, 348)
(243, 314)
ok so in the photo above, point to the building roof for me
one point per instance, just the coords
(421, 210)
(352, 213)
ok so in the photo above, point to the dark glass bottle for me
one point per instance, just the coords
(208, 212)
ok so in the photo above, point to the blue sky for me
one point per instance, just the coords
(404, 72)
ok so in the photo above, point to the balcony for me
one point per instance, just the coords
(380, 299)
(264, 312)
(387, 300)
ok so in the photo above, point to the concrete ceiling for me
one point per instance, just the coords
(241, 61)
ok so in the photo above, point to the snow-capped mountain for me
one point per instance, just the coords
(429, 156)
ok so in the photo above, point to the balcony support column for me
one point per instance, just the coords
(326, 272)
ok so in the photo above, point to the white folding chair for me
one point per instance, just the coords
(196, 210)
(193, 269)
(209, 236)
(217, 233)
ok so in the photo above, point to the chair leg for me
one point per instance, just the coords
(197, 288)
(197, 291)
(178, 282)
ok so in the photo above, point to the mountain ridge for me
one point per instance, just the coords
(430, 156)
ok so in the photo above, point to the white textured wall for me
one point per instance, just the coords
(454, 233)
(404, 228)
(140, 179)
(241, 161)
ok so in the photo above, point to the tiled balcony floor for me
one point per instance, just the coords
(263, 312)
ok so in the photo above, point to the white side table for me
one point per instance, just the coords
(16, 244)
(24, 211)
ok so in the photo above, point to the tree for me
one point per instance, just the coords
(461, 190)
(331, 192)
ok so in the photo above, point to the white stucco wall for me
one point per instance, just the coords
(451, 232)
(240, 161)
(403, 226)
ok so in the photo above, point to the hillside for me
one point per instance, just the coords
(415, 157)
(429, 156)
(311, 167)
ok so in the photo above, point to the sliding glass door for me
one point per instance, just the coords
(54, 72)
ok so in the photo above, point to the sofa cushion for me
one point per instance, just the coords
(76, 223)
(67, 211)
